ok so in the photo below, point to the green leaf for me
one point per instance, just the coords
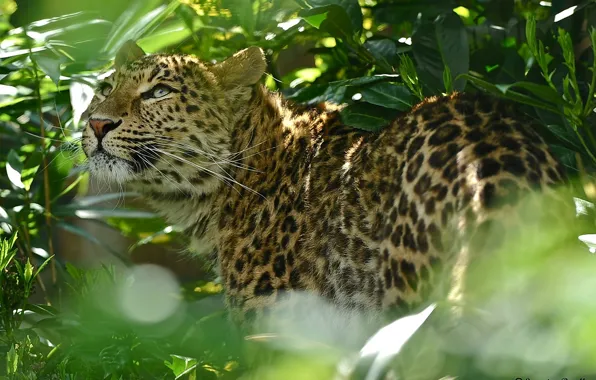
(387, 343)
(335, 22)
(147, 240)
(91, 200)
(408, 73)
(445, 38)
(531, 34)
(367, 116)
(171, 34)
(83, 233)
(315, 19)
(49, 63)
(14, 167)
(42, 309)
(339, 14)
(100, 213)
(30, 168)
(405, 11)
(388, 95)
(12, 361)
(43, 265)
(138, 19)
(242, 13)
(383, 50)
(448, 80)
(543, 92)
(512, 95)
(28, 272)
(180, 365)
(6, 252)
(334, 92)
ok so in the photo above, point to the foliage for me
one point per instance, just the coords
(379, 58)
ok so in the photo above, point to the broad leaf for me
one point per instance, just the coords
(242, 13)
(331, 19)
(49, 63)
(337, 14)
(83, 233)
(141, 17)
(367, 116)
(388, 95)
(334, 92)
(382, 347)
(510, 94)
(383, 50)
(541, 91)
(441, 43)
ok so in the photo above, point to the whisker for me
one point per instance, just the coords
(209, 171)
(224, 158)
(51, 139)
(237, 164)
(143, 157)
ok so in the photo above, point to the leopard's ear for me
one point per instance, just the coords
(244, 68)
(129, 52)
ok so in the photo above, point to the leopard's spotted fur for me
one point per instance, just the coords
(367, 220)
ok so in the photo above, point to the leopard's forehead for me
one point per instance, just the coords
(149, 67)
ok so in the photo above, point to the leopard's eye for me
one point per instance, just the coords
(158, 91)
(105, 89)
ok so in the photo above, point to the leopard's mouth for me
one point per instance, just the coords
(110, 168)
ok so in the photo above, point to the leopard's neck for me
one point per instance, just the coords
(255, 134)
(193, 212)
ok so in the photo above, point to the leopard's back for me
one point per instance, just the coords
(450, 182)
(377, 221)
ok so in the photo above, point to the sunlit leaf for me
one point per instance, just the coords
(91, 200)
(315, 19)
(14, 166)
(80, 97)
(30, 168)
(49, 64)
(100, 213)
(141, 17)
(28, 272)
(181, 365)
(242, 13)
(151, 238)
(388, 342)
(341, 17)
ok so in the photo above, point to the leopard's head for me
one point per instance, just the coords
(166, 120)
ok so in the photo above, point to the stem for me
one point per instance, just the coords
(29, 250)
(46, 179)
(588, 106)
(581, 139)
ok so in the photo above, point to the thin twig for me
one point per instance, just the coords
(46, 178)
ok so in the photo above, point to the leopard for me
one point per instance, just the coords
(287, 199)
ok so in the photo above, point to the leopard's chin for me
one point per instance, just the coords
(109, 168)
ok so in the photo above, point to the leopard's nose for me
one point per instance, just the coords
(102, 126)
